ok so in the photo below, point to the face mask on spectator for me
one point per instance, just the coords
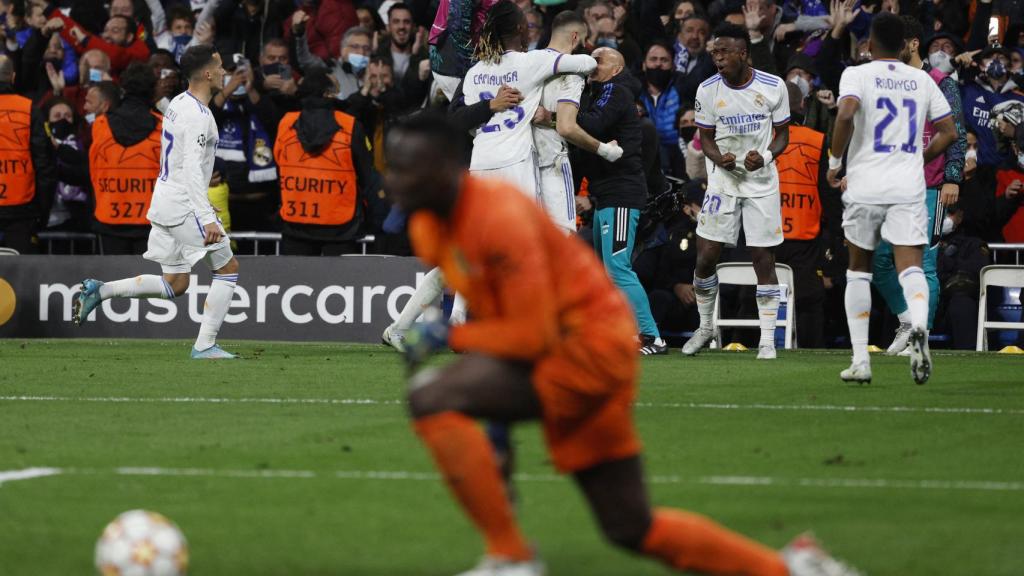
(658, 77)
(941, 62)
(90, 117)
(802, 84)
(181, 40)
(972, 154)
(996, 70)
(61, 129)
(608, 43)
(1020, 160)
(358, 62)
(686, 134)
(948, 226)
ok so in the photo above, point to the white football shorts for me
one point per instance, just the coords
(178, 248)
(524, 175)
(898, 224)
(722, 214)
(558, 194)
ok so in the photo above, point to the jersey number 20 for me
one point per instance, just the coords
(892, 113)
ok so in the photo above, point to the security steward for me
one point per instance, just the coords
(806, 197)
(28, 171)
(323, 157)
(124, 162)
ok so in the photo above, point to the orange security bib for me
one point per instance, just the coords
(17, 173)
(316, 189)
(123, 178)
(798, 184)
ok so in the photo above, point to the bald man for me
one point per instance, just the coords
(619, 189)
(28, 181)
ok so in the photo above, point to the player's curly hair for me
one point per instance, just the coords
(503, 20)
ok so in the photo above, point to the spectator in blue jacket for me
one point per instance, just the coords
(990, 86)
(661, 99)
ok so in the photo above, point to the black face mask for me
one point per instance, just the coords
(658, 77)
(61, 129)
(687, 133)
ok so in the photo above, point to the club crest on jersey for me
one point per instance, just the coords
(759, 101)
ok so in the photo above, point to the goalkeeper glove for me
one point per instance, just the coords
(425, 339)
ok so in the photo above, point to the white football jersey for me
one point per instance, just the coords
(885, 159)
(566, 88)
(744, 118)
(188, 146)
(508, 138)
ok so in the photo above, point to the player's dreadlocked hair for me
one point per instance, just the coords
(502, 22)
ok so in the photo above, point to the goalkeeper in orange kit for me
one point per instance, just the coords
(551, 339)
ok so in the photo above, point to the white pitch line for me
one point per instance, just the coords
(405, 475)
(664, 405)
(26, 474)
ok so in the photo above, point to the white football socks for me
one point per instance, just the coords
(426, 294)
(858, 312)
(768, 296)
(915, 292)
(458, 315)
(904, 317)
(218, 301)
(145, 286)
(706, 290)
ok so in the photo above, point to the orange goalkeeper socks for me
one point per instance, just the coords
(467, 461)
(687, 541)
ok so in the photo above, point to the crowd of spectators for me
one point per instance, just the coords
(82, 59)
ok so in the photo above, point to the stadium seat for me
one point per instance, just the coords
(1007, 276)
(8, 251)
(742, 274)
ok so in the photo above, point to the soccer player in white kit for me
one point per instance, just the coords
(504, 147)
(741, 113)
(561, 95)
(185, 228)
(887, 101)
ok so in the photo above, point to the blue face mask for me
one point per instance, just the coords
(358, 62)
(608, 43)
(996, 70)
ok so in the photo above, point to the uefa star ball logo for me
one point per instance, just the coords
(7, 301)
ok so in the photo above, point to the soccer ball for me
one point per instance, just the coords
(141, 543)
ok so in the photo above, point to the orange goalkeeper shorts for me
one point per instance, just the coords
(587, 387)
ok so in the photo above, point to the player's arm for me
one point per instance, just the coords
(197, 190)
(572, 64)
(525, 294)
(711, 152)
(705, 118)
(956, 154)
(841, 134)
(568, 128)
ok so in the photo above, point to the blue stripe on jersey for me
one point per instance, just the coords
(766, 78)
(202, 108)
(606, 94)
(711, 80)
(555, 67)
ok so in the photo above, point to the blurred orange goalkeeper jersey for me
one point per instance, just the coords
(529, 287)
(537, 295)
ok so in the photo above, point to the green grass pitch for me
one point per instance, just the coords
(300, 460)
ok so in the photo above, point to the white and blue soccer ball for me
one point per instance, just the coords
(141, 543)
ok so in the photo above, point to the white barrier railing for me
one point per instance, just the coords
(1016, 249)
(49, 237)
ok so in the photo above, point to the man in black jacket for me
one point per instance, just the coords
(618, 189)
(29, 180)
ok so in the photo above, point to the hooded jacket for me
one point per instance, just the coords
(609, 113)
(315, 128)
(130, 123)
